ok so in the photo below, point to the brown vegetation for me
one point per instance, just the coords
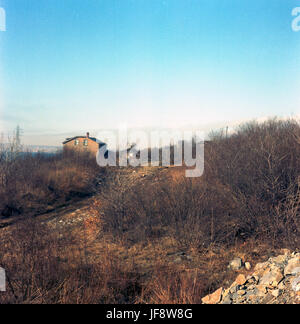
(36, 183)
(247, 203)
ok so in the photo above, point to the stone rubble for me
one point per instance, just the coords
(276, 281)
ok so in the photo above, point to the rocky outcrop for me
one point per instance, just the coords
(276, 281)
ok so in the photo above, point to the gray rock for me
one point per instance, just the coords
(272, 278)
(227, 300)
(292, 266)
(234, 297)
(276, 293)
(251, 287)
(248, 266)
(261, 266)
(274, 281)
(234, 289)
(241, 300)
(236, 264)
(280, 259)
(296, 284)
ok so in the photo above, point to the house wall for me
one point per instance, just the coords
(92, 145)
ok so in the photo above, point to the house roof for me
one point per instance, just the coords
(94, 139)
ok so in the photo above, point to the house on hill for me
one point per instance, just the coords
(83, 143)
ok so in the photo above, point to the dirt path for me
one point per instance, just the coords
(76, 212)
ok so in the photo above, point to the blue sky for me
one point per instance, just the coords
(69, 66)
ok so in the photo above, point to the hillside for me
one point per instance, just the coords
(150, 235)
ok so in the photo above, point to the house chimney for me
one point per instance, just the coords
(88, 135)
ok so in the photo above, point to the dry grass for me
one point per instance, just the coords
(38, 183)
(126, 251)
(44, 266)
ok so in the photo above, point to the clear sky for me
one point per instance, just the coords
(71, 66)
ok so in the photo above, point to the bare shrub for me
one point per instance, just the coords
(249, 178)
(45, 267)
(260, 165)
(249, 193)
(170, 286)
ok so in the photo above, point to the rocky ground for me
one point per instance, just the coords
(275, 281)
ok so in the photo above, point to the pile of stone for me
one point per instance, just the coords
(276, 281)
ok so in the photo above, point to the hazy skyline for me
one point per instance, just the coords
(70, 66)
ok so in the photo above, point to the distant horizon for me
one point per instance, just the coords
(68, 67)
(39, 139)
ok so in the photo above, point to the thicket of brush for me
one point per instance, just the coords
(250, 189)
(36, 183)
(249, 192)
(49, 266)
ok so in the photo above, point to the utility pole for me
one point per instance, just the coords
(17, 140)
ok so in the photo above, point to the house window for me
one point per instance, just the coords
(76, 142)
(85, 142)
